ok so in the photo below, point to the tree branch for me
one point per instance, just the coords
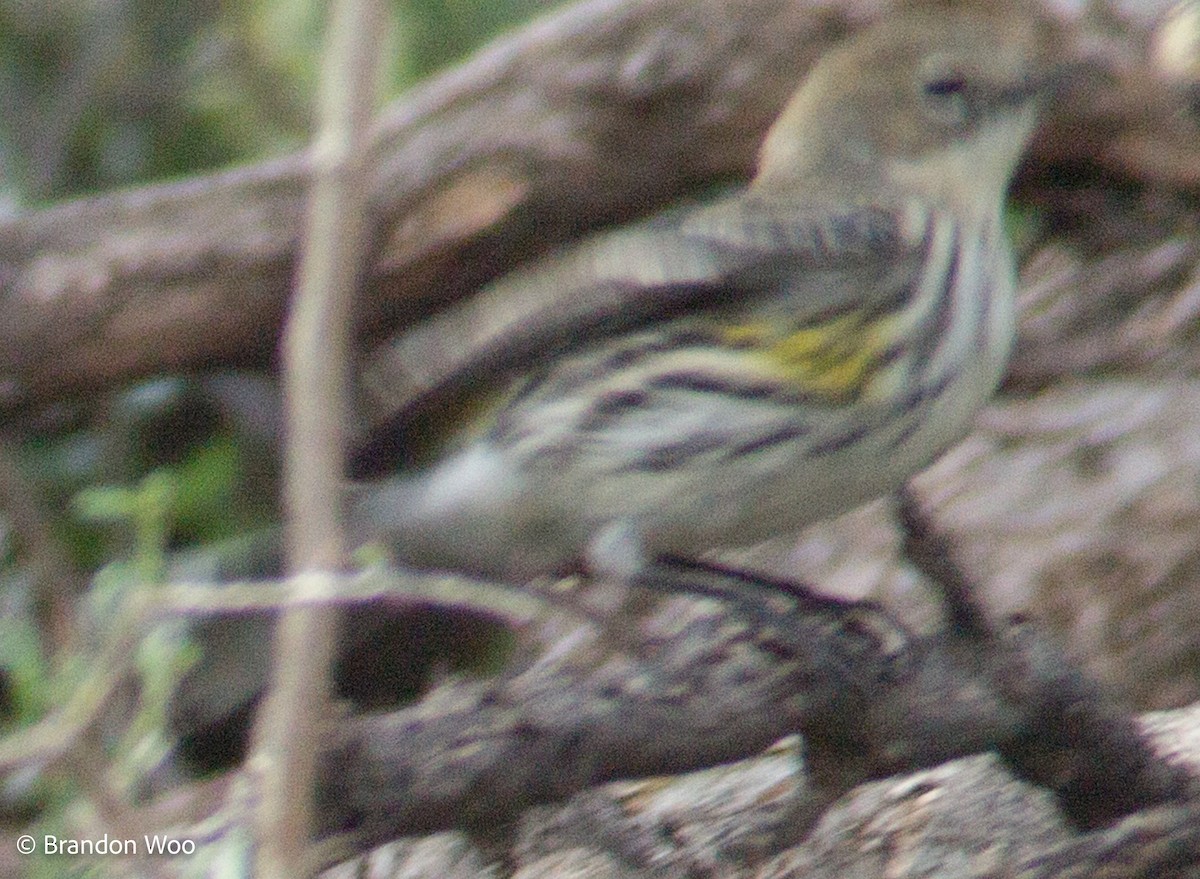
(870, 700)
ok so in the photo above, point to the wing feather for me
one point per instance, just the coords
(716, 257)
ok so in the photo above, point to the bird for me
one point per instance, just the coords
(724, 373)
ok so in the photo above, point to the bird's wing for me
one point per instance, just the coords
(683, 260)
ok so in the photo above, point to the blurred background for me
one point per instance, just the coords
(108, 93)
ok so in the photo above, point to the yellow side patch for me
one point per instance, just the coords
(835, 360)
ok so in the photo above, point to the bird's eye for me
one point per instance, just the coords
(948, 99)
(946, 86)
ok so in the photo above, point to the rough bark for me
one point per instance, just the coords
(717, 683)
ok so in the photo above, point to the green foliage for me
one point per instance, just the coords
(110, 613)
(95, 96)
(434, 33)
(175, 441)
(146, 508)
(99, 95)
(26, 694)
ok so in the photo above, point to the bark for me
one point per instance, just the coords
(716, 683)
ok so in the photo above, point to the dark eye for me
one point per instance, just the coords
(946, 86)
(948, 99)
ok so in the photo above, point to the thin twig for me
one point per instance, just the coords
(316, 368)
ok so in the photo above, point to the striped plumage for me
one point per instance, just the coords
(720, 375)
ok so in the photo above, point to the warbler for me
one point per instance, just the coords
(722, 374)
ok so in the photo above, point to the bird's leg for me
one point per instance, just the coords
(930, 552)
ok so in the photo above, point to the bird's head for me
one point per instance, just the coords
(942, 103)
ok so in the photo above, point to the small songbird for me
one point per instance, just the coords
(723, 374)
